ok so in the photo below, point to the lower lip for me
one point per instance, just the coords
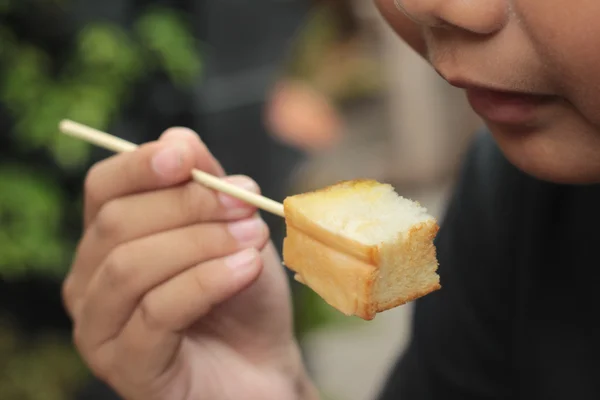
(506, 108)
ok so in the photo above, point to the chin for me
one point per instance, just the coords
(551, 155)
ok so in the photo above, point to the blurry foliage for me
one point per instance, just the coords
(45, 369)
(312, 313)
(91, 87)
(94, 85)
(30, 217)
(162, 32)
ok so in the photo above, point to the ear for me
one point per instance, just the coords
(407, 29)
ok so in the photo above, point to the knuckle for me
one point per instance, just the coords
(194, 202)
(188, 200)
(109, 220)
(199, 240)
(149, 313)
(99, 361)
(211, 240)
(205, 290)
(117, 269)
(202, 286)
(199, 280)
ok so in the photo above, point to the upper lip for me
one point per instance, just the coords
(464, 83)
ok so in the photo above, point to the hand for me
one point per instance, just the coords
(176, 292)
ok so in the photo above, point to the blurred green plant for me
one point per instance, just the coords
(47, 369)
(162, 32)
(31, 209)
(312, 313)
(92, 87)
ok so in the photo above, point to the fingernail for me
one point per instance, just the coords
(178, 133)
(247, 231)
(242, 182)
(169, 160)
(242, 259)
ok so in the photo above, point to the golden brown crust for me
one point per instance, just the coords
(347, 283)
(354, 184)
(355, 278)
(344, 282)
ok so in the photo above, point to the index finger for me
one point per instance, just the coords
(152, 166)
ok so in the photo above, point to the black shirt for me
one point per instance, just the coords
(516, 315)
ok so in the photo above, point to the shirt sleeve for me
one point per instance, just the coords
(460, 345)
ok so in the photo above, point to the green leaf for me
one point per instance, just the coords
(25, 79)
(92, 88)
(30, 217)
(165, 34)
(70, 153)
(25, 372)
(107, 48)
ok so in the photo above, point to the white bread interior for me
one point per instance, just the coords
(361, 247)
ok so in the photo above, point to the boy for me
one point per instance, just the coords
(180, 305)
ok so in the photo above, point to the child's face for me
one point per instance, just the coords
(531, 70)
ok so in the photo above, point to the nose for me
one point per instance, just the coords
(482, 17)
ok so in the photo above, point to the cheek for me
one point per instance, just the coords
(567, 37)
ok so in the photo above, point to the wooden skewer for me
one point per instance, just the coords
(119, 145)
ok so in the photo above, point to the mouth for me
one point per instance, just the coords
(504, 105)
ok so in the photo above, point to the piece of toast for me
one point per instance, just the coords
(361, 247)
